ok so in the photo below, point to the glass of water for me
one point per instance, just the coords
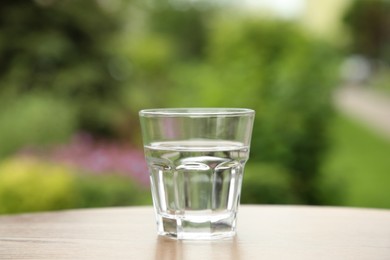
(196, 159)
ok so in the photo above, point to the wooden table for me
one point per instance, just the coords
(264, 232)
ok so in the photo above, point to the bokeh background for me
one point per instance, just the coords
(74, 74)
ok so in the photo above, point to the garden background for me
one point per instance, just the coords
(73, 76)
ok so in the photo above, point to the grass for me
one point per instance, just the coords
(358, 165)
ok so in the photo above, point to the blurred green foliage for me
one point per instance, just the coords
(185, 28)
(97, 65)
(265, 183)
(110, 190)
(270, 66)
(368, 22)
(34, 120)
(29, 185)
(63, 49)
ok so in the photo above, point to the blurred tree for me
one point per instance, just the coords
(369, 24)
(186, 28)
(180, 56)
(272, 67)
(62, 48)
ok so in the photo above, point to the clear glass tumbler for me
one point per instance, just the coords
(196, 159)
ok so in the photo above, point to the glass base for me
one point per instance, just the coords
(197, 228)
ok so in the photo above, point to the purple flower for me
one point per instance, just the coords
(98, 157)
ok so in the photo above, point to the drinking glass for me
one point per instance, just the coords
(196, 159)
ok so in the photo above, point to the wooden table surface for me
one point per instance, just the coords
(264, 232)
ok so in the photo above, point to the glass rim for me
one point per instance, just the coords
(199, 112)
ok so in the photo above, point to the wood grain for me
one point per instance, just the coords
(264, 232)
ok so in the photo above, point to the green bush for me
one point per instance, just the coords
(64, 48)
(34, 120)
(110, 190)
(270, 66)
(274, 68)
(28, 185)
(171, 57)
(266, 183)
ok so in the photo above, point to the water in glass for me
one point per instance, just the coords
(196, 186)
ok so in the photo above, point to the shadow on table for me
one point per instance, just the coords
(170, 249)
